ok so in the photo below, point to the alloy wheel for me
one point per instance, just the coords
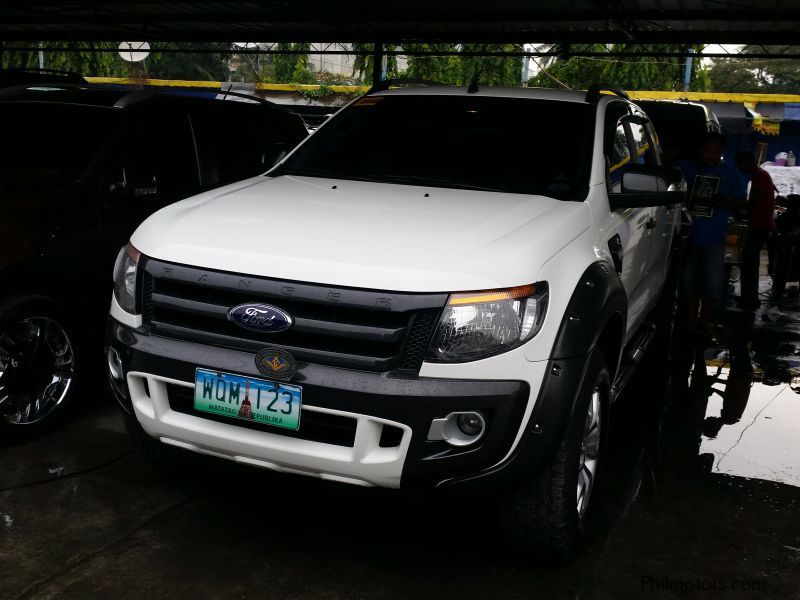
(37, 369)
(589, 454)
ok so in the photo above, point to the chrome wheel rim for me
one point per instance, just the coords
(589, 455)
(37, 370)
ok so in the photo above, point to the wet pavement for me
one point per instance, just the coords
(81, 515)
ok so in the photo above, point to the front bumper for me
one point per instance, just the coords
(159, 376)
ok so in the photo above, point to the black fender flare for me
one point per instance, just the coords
(598, 297)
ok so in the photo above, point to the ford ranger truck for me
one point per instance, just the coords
(440, 287)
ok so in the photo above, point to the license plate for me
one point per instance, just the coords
(247, 398)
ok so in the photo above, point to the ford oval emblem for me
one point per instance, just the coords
(260, 317)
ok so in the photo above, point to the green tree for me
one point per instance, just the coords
(734, 75)
(446, 69)
(204, 66)
(461, 70)
(362, 64)
(634, 72)
(284, 63)
(301, 73)
(491, 70)
(84, 59)
(573, 72)
(293, 68)
(771, 75)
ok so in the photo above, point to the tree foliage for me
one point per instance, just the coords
(362, 65)
(84, 60)
(284, 63)
(461, 70)
(446, 69)
(209, 66)
(292, 68)
(772, 75)
(634, 72)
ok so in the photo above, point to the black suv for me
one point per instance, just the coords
(80, 168)
(680, 126)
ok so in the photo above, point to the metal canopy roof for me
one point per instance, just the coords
(566, 21)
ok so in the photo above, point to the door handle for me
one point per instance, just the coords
(651, 223)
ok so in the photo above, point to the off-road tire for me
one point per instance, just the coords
(542, 517)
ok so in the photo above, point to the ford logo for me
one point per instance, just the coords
(260, 317)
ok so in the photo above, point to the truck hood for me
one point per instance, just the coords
(360, 234)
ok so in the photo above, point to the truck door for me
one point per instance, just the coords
(661, 219)
(629, 235)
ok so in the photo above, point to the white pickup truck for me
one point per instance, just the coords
(440, 287)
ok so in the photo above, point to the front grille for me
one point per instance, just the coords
(314, 426)
(360, 329)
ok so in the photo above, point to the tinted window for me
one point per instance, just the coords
(616, 147)
(500, 144)
(45, 146)
(643, 143)
(227, 143)
(237, 140)
(159, 154)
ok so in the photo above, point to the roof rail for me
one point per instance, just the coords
(385, 84)
(595, 91)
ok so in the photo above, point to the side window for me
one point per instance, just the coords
(644, 142)
(616, 147)
(279, 134)
(228, 144)
(160, 161)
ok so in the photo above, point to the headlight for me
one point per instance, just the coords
(125, 278)
(479, 324)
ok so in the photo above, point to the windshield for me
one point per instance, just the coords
(45, 146)
(497, 144)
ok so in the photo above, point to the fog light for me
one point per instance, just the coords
(470, 423)
(458, 428)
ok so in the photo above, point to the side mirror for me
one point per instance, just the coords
(649, 185)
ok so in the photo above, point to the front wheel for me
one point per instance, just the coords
(553, 514)
(38, 366)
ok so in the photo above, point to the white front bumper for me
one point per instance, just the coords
(365, 463)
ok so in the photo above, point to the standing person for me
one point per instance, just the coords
(760, 209)
(715, 188)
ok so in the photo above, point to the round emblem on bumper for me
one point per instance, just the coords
(276, 363)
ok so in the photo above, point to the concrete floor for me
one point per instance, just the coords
(82, 516)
